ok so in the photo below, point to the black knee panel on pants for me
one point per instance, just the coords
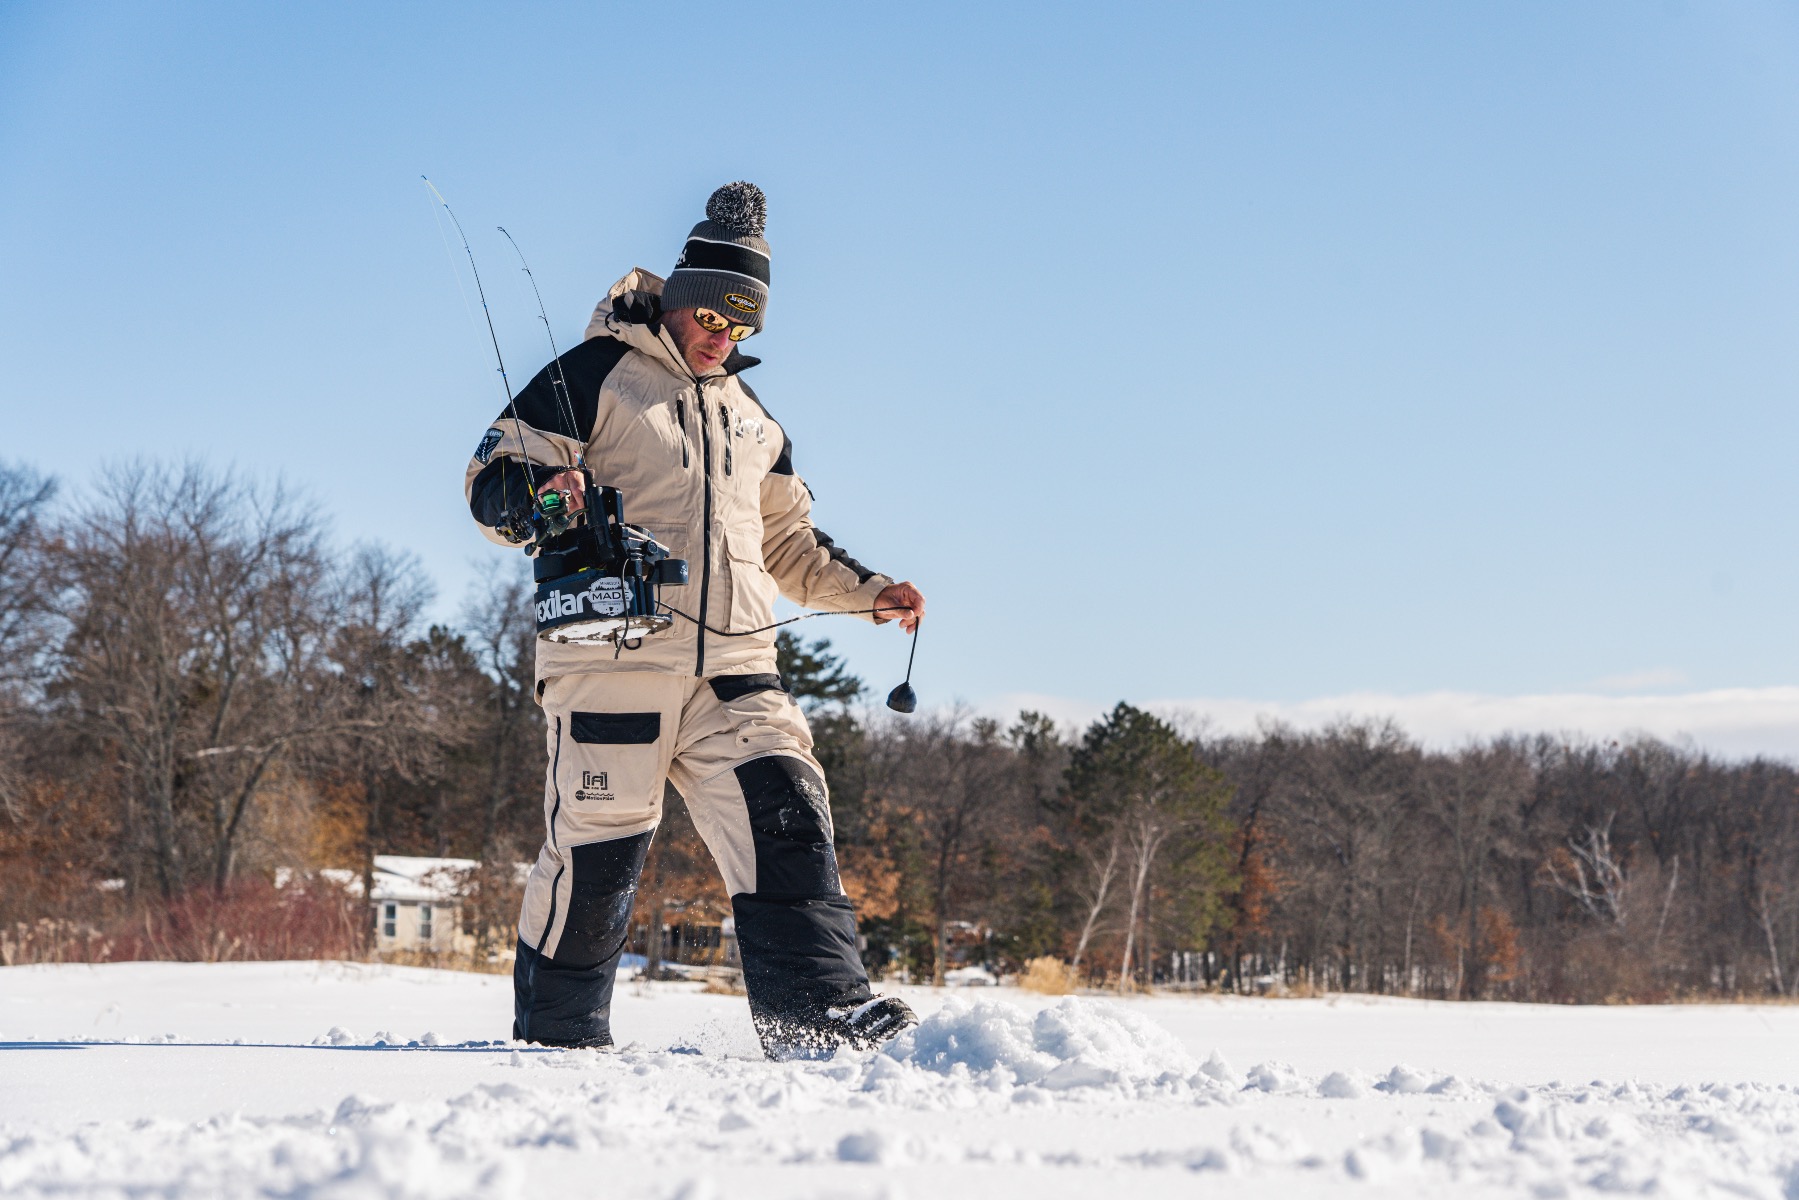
(799, 958)
(600, 898)
(790, 824)
(566, 999)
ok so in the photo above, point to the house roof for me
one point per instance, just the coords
(407, 879)
(401, 877)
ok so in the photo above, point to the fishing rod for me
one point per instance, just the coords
(558, 382)
(518, 426)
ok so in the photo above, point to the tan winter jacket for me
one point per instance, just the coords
(699, 462)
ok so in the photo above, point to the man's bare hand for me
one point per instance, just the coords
(569, 483)
(905, 604)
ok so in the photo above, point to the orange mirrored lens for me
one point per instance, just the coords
(711, 322)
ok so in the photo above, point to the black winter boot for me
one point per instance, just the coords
(874, 1021)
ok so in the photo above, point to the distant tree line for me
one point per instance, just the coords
(202, 696)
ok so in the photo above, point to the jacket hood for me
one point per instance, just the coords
(632, 313)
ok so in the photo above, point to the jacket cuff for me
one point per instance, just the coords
(864, 596)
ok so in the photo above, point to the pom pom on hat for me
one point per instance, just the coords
(740, 207)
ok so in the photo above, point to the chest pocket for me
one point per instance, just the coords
(752, 587)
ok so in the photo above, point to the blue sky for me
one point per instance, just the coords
(1277, 351)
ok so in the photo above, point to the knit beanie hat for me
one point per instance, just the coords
(724, 266)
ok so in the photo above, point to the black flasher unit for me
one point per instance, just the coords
(598, 583)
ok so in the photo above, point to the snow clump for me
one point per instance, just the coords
(1339, 1086)
(1074, 1044)
(1274, 1076)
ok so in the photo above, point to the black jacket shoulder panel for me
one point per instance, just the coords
(540, 403)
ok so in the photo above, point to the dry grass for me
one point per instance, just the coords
(444, 960)
(724, 981)
(1047, 976)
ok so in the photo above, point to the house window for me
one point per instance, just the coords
(388, 913)
(424, 922)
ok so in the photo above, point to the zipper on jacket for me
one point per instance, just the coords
(699, 399)
(681, 421)
(724, 423)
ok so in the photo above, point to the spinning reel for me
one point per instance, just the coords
(599, 586)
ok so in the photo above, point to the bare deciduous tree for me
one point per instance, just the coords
(1592, 873)
(949, 775)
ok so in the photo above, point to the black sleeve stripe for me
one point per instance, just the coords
(585, 369)
(863, 574)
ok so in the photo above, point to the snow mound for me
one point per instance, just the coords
(1073, 1044)
(1274, 1077)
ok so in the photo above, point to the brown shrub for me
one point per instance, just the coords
(252, 920)
(1047, 976)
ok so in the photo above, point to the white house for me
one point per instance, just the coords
(416, 901)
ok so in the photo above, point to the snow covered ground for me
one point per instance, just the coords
(344, 1080)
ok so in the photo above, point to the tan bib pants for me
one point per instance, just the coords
(738, 750)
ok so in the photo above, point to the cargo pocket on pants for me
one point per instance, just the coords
(611, 774)
(762, 717)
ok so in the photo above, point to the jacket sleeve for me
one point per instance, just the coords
(543, 432)
(808, 566)
(501, 495)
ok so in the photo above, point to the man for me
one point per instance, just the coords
(654, 404)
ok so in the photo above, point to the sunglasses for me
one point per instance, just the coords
(711, 322)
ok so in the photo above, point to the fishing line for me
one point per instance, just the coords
(518, 428)
(558, 382)
(848, 612)
(468, 310)
(902, 699)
